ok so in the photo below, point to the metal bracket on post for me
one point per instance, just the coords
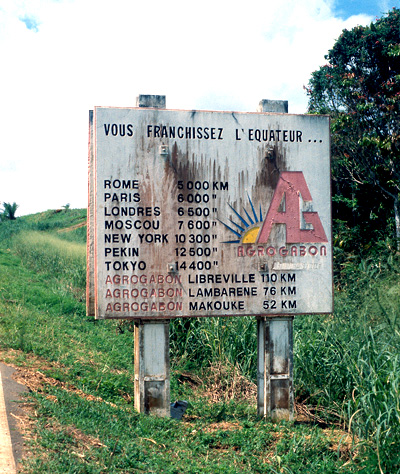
(152, 372)
(275, 368)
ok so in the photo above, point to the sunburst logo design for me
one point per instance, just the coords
(291, 206)
(249, 225)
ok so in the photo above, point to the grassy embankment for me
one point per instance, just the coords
(80, 371)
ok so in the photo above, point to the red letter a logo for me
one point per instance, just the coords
(290, 186)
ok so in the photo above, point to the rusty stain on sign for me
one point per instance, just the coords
(210, 214)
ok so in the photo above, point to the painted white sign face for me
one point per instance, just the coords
(211, 214)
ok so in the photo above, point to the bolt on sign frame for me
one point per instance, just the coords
(203, 213)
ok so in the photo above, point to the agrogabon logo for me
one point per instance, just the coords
(291, 205)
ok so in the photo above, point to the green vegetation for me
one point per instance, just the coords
(346, 365)
(347, 375)
(80, 372)
(9, 210)
(359, 88)
(58, 256)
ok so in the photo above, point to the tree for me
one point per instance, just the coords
(9, 210)
(360, 88)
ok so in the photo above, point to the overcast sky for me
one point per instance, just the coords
(60, 58)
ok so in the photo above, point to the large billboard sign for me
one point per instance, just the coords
(210, 213)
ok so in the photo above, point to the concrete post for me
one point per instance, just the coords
(152, 374)
(275, 106)
(275, 398)
(275, 368)
(151, 341)
(151, 101)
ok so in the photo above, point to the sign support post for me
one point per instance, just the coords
(275, 368)
(151, 340)
(151, 343)
(275, 398)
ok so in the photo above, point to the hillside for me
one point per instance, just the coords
(79, 412)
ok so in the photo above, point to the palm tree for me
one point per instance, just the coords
(9, 210)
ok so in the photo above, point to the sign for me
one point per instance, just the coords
(210, 213)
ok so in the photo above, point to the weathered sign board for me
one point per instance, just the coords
(210, 213)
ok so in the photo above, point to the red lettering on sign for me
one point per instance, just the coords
(290, 186)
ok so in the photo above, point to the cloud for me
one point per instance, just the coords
(223, 55)
(30, 22)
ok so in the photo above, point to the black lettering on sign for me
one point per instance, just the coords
(119, 252)
(220, 186)
(153, 238)
(269, 304)
(123, 211)
(273, 135)
(188, 133)
(118, 129)
(121, 184)
(129, 224)
(287, 304)
(117, 238)
(122, 197)
(127, 265)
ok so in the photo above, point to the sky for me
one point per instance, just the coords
(60, 58)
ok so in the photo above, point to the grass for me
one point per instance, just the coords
(347, 366)
(80, 372)
(154, 445)
(54, 255)
(215, 339)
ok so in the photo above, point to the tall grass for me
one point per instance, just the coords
(201, 341)
(48, 253)
(347, 366)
